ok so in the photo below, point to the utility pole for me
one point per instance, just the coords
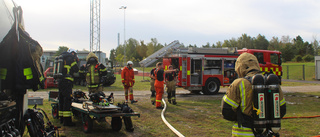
(95, 26)
(124, 31)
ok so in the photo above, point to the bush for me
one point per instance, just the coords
(297, 58)
(308, 58)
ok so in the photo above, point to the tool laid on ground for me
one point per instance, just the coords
(92, 109)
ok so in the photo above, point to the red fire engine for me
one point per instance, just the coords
(206, 69)
(268, 60)
(203, 69)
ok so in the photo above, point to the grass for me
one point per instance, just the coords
(296, 70)
(286, 83)
(200, 116)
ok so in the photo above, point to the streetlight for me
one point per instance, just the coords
(124, 31)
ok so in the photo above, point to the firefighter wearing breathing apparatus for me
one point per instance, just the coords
(95, 71)
(69, 62)
(254, 101)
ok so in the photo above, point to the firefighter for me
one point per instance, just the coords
(82, 74)
(95, 71)
(159, 83)
(170, 81)
(128, 81)
(65, 86)
(237, 104)
(153, 91)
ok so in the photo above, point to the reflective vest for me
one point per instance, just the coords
(94, 73)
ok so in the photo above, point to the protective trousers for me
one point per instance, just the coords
(65, 99)
(130, 91)
(171, 90)
(159, 92)
(241, 132)
(153, 91)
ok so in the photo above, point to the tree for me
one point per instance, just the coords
(274, 44)
(119, 58)
(226, 43)
(150, 49)
(112, 56)
(142, 50)
(302, 48)
(206, 46)
(260, 42)
(61, 49)
(219, 44)
(315, 45)
(245, 41)
(285, 39)
(288, 52)
(190, 46)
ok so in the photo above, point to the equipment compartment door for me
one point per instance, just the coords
(196, 71)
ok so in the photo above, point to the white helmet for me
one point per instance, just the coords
(129, 63)
(72, 50)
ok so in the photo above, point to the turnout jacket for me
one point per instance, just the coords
(127, 75)
(239, 96)
(69, 66)
(94, 72)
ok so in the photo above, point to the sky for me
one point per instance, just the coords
(67, 22)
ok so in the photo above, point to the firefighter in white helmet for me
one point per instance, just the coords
(127, 76)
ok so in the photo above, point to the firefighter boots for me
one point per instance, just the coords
(134, 101)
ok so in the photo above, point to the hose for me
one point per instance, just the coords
(167, 123)
(301, 117)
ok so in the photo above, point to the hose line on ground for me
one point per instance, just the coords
(301, 117)
(167, 123)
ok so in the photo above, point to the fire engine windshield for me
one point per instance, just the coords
(275, 59)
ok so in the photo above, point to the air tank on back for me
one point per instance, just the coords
(272, 83)
(259, 104)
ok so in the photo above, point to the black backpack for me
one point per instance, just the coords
(34, 119)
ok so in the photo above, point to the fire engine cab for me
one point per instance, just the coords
(206, 69)
(269, 61)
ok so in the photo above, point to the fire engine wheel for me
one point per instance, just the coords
(212, 87)
(116, 123)
(87, 124)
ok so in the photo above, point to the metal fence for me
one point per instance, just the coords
(298, 72)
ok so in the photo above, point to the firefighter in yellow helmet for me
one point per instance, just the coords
(95, 71)
(237, 104)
